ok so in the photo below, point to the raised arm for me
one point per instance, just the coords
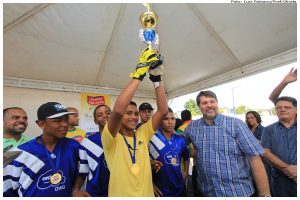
(289, 78)
(161, 100)
(121, 104)
(148, 59)
(162, 107)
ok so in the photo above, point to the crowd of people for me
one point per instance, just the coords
(139, 153)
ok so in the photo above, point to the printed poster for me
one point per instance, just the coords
(89, 101)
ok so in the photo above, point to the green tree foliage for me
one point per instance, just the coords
(192, 106)
(242, 110)
(221, 110)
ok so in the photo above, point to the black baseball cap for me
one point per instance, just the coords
(145, 106)
(52, 110)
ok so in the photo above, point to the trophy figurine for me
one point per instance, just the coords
(149, 21)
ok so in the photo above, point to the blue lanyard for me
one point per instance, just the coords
(50, 159)
(129, 147)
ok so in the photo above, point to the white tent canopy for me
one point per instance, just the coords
(94, 47)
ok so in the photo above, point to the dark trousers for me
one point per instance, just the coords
(282, 186)
(197, 192)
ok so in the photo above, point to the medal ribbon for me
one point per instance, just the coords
(57, 162)
(128, 147)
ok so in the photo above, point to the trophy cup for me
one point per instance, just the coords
(149, 21)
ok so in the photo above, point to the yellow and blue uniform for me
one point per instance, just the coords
(123, 182)
(76, 134)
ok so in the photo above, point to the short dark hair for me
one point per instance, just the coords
(11, 108)
(71, 108)
(206, 93)
(287, 98)
(133, 103)
(256, 115)
(186, 115)
(102, 105)
(178, 123)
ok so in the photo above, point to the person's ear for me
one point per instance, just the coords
(41, 123)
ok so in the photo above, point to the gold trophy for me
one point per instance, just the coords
(149, 21)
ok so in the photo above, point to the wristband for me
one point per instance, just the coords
(156, 84)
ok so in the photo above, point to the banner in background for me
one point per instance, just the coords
(89, 101)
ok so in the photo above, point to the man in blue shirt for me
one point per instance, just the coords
(94, 164)
(226, 152)
(48, 164)
(168, 148)
(280, 143)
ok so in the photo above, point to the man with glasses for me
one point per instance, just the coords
(280, 144)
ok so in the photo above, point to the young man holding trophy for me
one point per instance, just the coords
(126, 151)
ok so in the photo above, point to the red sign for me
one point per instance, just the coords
(98, 100)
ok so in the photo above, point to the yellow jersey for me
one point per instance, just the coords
(77, 134)
(127, 179)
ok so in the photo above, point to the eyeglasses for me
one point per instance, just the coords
(283, 108)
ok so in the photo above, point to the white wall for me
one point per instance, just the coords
(31, 99)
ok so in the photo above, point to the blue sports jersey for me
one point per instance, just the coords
(31, 174)
(91, 152)
(169, 178)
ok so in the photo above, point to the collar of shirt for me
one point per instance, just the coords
(216, 121)
(294, 124)
(14, 140)
(9, 141)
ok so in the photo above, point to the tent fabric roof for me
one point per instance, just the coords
(97, 45)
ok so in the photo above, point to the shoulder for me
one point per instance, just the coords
(79, 130)
(195, 122)
(260, 127)
(70, 142)
(93, 135)
(26, 138)
(95, 138)
(182, 128)
(138, 125)
(107, 138)
(146, 128)
(233, 120)
(29, 146)
(178, 137)
(271, 126)
(147, 125)
(31, 154)
(229, 118)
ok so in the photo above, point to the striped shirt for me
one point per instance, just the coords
(169, 178)
(29, 175)
(222, 155)
(94, 165)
